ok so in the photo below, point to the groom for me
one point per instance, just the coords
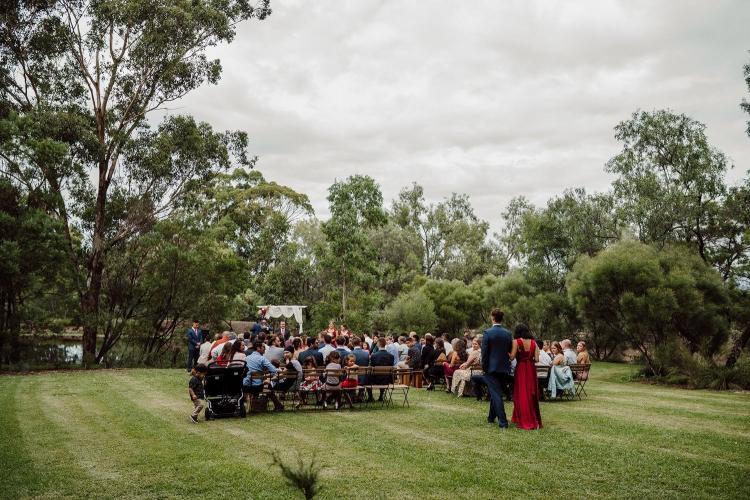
(496, 345)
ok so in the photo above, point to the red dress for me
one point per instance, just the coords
(526, 413)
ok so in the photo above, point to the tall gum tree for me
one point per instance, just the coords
(78, 81)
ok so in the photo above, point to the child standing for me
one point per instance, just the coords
(195, 389)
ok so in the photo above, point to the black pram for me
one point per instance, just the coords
(223, 386)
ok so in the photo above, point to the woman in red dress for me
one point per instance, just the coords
(526, 413)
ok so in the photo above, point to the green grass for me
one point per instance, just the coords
(126, 433)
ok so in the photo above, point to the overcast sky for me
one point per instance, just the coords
(494, 99)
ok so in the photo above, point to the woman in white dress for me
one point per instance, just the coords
(472, 366)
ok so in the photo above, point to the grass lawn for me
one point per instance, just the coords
(126, 433)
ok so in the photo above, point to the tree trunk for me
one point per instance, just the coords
(343, 299)
(739, 344)
(90, 299)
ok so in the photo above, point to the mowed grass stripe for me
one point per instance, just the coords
(195, 456)
(52, 446)
(621, 442)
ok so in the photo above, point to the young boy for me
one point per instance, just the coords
(195, 388)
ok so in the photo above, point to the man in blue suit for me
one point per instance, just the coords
(194, 338)
(496, 345)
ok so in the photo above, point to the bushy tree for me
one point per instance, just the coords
(644, 297)
(79, 80)
(32, 267)
(412, 311)
(456, 305)
(452, 238)
(356, 206)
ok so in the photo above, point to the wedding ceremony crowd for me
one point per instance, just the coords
(493, 365)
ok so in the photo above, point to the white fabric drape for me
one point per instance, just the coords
(285, 312)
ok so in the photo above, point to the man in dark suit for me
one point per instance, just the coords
(312, 350)
(194, 337)
(496, 345)
(380, 358)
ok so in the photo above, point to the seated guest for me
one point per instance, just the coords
(217, 346)
(558, 358)
(291, 366)
(560, 376)
(570, 355)
(311, 381)
(223, 358)
(583, 354)
(234, 353)
(547, 347)
(256, 362)
(392, 348)
(341, 347)
(472, 366)
(204, 352)
(457, 357)
(352, 377)
(324, 345)
(333, 381)
(361, 356)
(296, 347)
(312, 350)
(426, 355)
(544, 358)
(380, 358)
(414, 354)
(275, 351)
(435, 365)
(403, 351)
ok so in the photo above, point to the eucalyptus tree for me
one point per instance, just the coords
(78, 81)
(453, 240)
(356, 206)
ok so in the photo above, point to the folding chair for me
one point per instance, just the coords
(580, 376)
(400, 376)
(542, 375)
(383, 375)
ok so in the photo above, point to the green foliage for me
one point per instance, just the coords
(78, 81)
(745, 105)
(452, 238)
(411, 311)
(548, 314)
(356, 206)
(633, 293)
(456, 305)
(33, 282)
(305, 476)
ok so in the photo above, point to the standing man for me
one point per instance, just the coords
(194, 337)
(283, 331)
(497, 343)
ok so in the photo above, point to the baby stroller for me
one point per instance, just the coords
(223, 386)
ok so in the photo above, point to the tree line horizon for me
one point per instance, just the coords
(123, 227)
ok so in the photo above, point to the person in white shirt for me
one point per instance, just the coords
(403, 349)
(326, 348)
(544, 358)
(205, 352)
(571, 357)
(275, 351)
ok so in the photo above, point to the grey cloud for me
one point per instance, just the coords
(494, 99)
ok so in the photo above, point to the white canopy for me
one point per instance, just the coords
(285, 312)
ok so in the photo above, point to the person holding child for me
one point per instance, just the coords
(196, 392)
